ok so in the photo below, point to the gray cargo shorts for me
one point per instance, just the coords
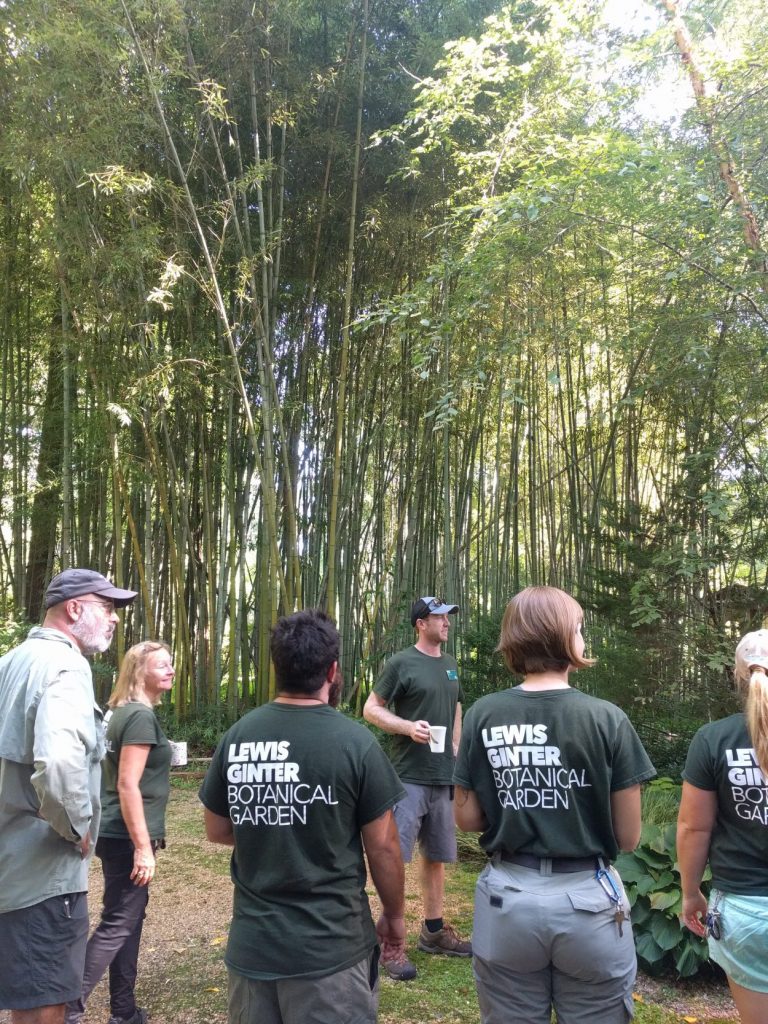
(544, 941)
(350, 996)
(426, 813)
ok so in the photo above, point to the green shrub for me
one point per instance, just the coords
(666, 748)
(482, 670)
(661, 801)
(202, 730)
(652, 880)
(12, 632)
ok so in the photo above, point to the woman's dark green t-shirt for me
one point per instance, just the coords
(135, 724)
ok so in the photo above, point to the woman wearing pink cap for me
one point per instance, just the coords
(724, 821)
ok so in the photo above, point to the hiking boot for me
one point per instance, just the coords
(446, 941)
(140, 1016)
(399, 968)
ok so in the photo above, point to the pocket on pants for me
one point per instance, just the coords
(504, 929)
(590, 946)
(592, 903)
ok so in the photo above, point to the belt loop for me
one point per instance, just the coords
(545, 868)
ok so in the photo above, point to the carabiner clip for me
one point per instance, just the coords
(605, 878)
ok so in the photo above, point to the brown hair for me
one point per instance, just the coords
(538, 631)
(751, 678)
(130, 680)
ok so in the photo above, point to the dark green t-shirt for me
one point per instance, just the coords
(721, 759)
(543, 766)
(419, 686)
(298, 784)
(134, 724)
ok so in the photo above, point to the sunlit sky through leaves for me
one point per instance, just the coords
(671, 95)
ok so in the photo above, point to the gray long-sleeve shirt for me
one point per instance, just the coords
(51, 746)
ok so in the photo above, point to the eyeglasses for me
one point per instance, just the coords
(713, 924)
(436, 602)
(107, 606)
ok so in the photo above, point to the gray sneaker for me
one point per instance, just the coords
(446, 941)
(399, 968)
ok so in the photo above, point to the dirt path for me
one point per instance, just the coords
(182, 979)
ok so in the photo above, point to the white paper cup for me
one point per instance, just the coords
(437, 738)
(178, 753)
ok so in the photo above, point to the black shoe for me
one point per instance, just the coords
(140, 1017)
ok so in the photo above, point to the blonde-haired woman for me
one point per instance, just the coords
(551, 777)
(134, 792)
(724, 820)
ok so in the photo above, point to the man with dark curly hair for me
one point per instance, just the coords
(301, 793)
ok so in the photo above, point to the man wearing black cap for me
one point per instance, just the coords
(51, 746)
(422, 685)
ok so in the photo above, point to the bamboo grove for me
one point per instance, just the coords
(331, 304)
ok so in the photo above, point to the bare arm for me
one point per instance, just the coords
(626, 816)
(456, 730)
(133, 761)
(467, 811)
(695, 822)
(375, 711)
(218, 829)
(382, 848)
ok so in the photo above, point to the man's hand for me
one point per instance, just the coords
(84, 846)
(390, 931)
(419, 731)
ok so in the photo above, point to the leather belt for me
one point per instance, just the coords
(558, 865)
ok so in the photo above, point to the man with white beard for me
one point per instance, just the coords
(51, 746)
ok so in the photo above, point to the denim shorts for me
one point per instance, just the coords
(426, 813)
(43, 952)
(742, 949)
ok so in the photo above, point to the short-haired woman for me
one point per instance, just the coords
(724, 820)
(134, 792)
(551, 777)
